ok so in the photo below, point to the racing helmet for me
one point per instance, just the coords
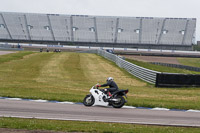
(110, 79)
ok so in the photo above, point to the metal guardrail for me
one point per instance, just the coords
(197, 69)
(139, 72)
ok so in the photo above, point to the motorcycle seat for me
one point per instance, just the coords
(120, 91)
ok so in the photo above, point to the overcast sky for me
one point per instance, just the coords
(132, 8)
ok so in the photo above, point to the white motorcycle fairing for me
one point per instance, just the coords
(98, 96)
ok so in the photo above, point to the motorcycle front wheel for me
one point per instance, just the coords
(119, 103)
(88, 100)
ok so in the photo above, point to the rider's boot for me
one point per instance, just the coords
(109, 95)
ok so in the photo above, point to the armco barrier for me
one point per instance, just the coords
(139, 72)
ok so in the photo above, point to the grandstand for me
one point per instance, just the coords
(101, 31)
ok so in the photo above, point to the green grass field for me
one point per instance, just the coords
(78, 126)
(195, 62)
(68, 76)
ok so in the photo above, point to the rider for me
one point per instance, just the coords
(110, 82)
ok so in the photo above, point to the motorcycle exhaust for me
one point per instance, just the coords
(113, 100)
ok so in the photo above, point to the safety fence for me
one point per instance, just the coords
(139, 72)
(177, 80)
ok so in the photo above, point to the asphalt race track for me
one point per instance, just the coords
(6, 52)
(67, 111)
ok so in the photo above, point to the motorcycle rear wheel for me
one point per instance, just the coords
(88, 100)
(119, 103)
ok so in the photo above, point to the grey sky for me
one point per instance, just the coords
(132, 8)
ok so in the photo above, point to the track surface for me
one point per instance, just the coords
(58, 111)
(6, 52)
(170, 60)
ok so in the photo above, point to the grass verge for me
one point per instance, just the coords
(195, 62)
(13, 56)
(77, 126)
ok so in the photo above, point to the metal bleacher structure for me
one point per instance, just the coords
(100, 31)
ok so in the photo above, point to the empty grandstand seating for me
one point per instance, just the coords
(130, 30)
(3, 32)
(141, 32)
(174, 34)
(83, 28)
(61, 27)
(151, 28)
(106, 29)
(40, 27)
(14, 26)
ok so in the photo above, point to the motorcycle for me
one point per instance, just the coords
(99, 97)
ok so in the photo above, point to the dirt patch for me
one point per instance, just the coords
(170, 60)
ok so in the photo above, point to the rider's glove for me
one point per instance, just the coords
(98, 85)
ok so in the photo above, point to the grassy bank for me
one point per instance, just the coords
(69, 76)
(13, 56)
(77, 126)
(195, 62)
